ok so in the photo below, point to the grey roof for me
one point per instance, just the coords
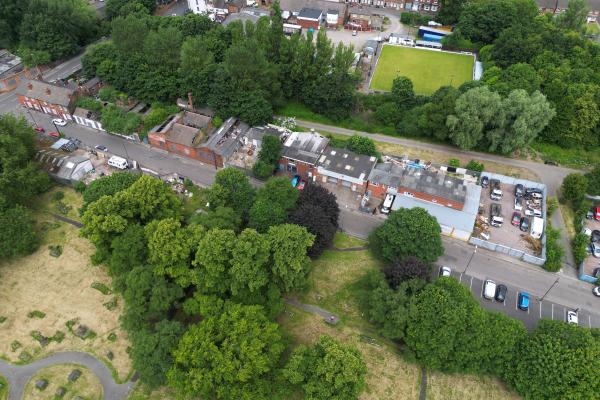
(322, 5)
(228, 138)
(304, 146)
(463, 220)
(372, 44)
(85, 113)
(346, 162)
(59, 163)
(258, 132)
(310, 13)
(420, 180)
(46, 92)
(183, 134)
(91, 83)
(593, 5)
(330, 11)
(240, 17)
(194, 119)
(9, 63)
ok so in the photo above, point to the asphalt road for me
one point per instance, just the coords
(563, 289)
(64, 70)
(19, 375)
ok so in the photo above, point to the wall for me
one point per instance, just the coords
(48, 108)
(303, 169)
(306, 24)
(201, 154)
(381, 190)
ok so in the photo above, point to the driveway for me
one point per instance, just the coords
(19, 375)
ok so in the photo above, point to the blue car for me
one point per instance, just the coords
(523, 301)
(295, 180)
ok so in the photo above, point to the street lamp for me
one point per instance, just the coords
(31, 116)
(548, 291)
(56, 126)
(471, 259)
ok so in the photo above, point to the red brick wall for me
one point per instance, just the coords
(48, 108)
(308, 24)
(377, 190)
(302, 168)
(201, 154)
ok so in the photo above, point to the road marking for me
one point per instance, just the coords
(460, 277)
(590, 320)
(552, 310)
(471, 284)
(540, 309)
(517, 302)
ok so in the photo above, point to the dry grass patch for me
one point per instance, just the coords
(443, 158)
(388, 376)
(141, 392)
(466, 387)
(569, 218)
(87, 386)
(60, 288)
(343, 241)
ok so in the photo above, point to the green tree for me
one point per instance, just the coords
(279, 191)
(554, 251)
(270, 152)
(327, 370)
(229, 355)
(407, 233)
(317, 222)
(409, 268)
(197, 68)
(475, 165)
(249, 270)
(450, 11)
(171, 248)
(574, 187)
(107, 186)
(574, 17)
(593, 178)
(362, 145)
(573, 354)
(151, 351)
(580, 244)
(289, 263)
(265, 214)
(233, 190)
(148, 298)
(18, 236)
(213, 261)
(221, 217)
(403, 93)
(128, 250)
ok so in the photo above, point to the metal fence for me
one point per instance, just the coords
(516, 253)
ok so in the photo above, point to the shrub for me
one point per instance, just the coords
(58, 337)
(579, 244)
(217, 122)
(111, 305)
(101, 287)
(262, 170)
(36, 314)
(15, 345)
(551, 206)
(475, 166)
(107, 93)
(554, 252)
(454, 162)
(58, 196)
(112, 337)
(25, 357)
(573, 188)
(2, 319)
(80, 187)
(63, 208)
(89, 104)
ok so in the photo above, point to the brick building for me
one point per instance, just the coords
(345, 168)
(432, 186)
(360, 19)
(311, 13)
(47, 98)
(182, 134)
(301, 152)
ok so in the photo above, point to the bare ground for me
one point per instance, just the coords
(87, 386)
(466, 387)
(60, 288)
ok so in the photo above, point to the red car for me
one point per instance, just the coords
(516, 218)
(301, 185)
(39, 129)
(54, 134)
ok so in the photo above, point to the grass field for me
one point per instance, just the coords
(87, 386)
(428, 70)
(333, 286)
(60, 288)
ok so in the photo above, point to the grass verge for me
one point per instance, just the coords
(142, 392)
(343, 241)
(3, 388)
(578, 158)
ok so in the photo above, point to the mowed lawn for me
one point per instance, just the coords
(427, 69)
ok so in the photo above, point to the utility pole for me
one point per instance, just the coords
(31, 116)
(471, 259)
(548, 291)
(125, 148)
(56, 126)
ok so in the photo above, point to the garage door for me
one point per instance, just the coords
(346, 183)
(331, 180)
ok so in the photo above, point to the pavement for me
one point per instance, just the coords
(329, 317)
(19, 375)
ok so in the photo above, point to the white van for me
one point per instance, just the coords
(489, 289)
(387, 203)
(118, 162)
(537, 227)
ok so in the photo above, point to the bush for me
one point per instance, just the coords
(111, 305)
(89, 104)
(580, 244)
(112, 337)
(217, 122)
(15, 345)
(80, 187)
(36, 314)
(554, 252)
(101, 287)
(409, 18)
(593, 178)
(362, 145)
(58, 196)
(573, 188)
(58, 337)
(551, 206)
(25, 357)
(157, 115)
(454, 162)
(475, 166)
(107, 93)
(262, 170)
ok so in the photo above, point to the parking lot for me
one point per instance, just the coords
(508, 234)
(591, 263)
(538, 309)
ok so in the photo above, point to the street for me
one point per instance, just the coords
(563, 290)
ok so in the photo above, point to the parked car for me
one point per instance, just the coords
(445, 271)
(572, 317)
(301, 185)
(354, 33)
(595, 235)
(589, 214)
(596, 272)
(524, 225)
(519, 190)
(485, 181)
(523, 301)
(54, 134)
(518, 203)
(595, 249)
(101, 147)
(516, 219)
(596, 291)
(533, 212)
(489, 289)
(39, 129)
(59, 122)
(501, 293)
(295, 180)
(550, 162)
(386, 207)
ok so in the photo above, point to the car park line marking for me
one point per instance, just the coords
(552, 310)
(517, 302)
(460, 277)
(471, 284)
(540, 310)
(590, 320)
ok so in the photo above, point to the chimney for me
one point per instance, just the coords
(48, 91)
(191, 104)
(29, 86)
